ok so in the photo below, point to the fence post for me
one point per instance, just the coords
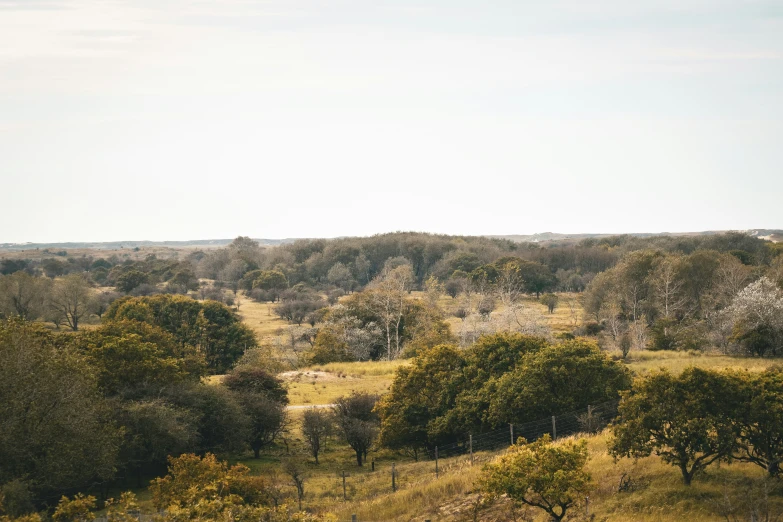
(394, 477)
(436, 462)
(554, 428)
(354, 519)
(373, 464)
(511, 427)
(587, 506)
(471, 449)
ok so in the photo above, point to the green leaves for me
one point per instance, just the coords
(541, 474)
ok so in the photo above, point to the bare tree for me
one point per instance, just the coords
(668, 286)
(294, 470)
(509, 284)
(387, 295)
(70, 299)
(23, 295)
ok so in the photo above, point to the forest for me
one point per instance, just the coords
(174, 383)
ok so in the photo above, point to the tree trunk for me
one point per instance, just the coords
(686, 475)
(359, 457)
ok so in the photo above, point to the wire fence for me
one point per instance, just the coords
(588, 420)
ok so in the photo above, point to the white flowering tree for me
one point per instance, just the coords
(756, 318)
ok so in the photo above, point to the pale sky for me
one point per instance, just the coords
(174, 119)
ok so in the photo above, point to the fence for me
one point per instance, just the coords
(590, 420)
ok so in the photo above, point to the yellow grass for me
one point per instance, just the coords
(323, 384)
(643, 361)
(261, 318)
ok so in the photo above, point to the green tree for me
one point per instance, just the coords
(683, 419)
(421, 392)
(273, 281)
(55, 428)
(357, 421)
(550, 301)
(556, 379)
(153, 430)
(541, 474)
(256, 380)
(760, 417)
(211, 327)
(128, 280)
(317, 427)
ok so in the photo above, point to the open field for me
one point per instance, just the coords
(655, 493)
(261, 318)
(325, 383)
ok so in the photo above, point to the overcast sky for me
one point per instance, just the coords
(175, 119)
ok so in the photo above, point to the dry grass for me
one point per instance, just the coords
(261, 318)
(323, 384)
(644, 361)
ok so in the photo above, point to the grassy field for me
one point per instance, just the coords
(323, 384)
(261, 318)
(656, 492)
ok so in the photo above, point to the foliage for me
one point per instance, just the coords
(759, 417)
(756, 316)
(211, 327)
(683, 419)
(357, 421)
(256, 380)
(70, 298)
(505, 378)
(55, 429)
(541, 474)
(558, 378)
(77, 509)
(195, 483)
(317, 427)
(23, 295)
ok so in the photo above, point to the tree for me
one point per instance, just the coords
(357, 421)
(340, 276)
(317, 427)
(295, 472)
(537, 277)
(129, 280)
(101, 301)
(421, 393)
(153, 430)
(70, 299)
(23, 295)
(222, 424)
(256, 380)
(555, 379)
(550, 301)
(760, 417)
(387, 298)
(683, 419)
(263, 397)
(756, 316)
(273, 281)
(202, 487)
(541, 474)
(210, 327)
(55, 428)
(267, 419)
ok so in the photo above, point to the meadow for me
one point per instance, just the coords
(652, 490)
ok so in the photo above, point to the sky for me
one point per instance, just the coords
(177, 120)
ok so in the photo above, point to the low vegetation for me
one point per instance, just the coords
(254, 383)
